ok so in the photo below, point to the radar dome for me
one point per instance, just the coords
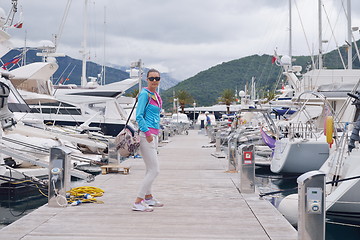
(43, 44)
(241, 93)
(286, 60)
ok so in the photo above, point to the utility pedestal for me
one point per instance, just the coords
(59, 176)
(311, 224)
(247, 169)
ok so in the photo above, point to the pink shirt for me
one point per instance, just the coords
(158, 103)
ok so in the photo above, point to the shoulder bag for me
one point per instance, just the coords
(127, 142)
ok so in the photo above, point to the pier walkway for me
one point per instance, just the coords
(201, 202)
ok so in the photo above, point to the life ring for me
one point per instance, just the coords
(329, 130)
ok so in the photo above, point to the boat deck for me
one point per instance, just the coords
(201, 202)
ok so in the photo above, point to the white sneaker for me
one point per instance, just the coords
(153, 202)
(142, 207)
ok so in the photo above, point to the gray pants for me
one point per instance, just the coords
(148, 152)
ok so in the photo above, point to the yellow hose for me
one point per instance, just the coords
(78, 193)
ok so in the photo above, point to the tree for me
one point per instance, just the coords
(184, 98)
(227, 97)
(270, 95)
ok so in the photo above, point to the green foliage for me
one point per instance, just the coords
(133, 93)
(184, 98)
(227, 98)
(207, 86)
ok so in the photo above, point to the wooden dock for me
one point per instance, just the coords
(201, 202)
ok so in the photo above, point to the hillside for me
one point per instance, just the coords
(206, 86)
(70, 68)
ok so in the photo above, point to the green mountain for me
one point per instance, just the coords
(206, 86)
(71, 69)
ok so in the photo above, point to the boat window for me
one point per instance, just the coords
(97, 107)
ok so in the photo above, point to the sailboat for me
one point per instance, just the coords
(343, 171)
(321, 92)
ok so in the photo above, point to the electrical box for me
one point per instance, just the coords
(314, 200)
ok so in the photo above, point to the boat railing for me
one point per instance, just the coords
(301, 130)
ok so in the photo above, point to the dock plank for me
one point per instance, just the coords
(201, 202)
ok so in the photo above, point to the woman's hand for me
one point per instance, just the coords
(149, 139)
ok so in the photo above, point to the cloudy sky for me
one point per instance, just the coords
(183, 37)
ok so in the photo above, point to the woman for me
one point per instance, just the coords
(148, 118)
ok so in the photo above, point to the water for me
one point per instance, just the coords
(336, 229)
(18, 201)
(12, 211)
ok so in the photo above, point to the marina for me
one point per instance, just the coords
(274, 159)
(201, 201)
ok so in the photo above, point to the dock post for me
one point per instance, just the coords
(165, 134)
(212, 134)
(218, 153)
(59, 176)
(311, 224)
(232, 153)
(217, 140)
(247, 169)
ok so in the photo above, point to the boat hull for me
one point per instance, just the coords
(298, 156)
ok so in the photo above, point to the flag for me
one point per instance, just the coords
(15, 60)
(18, 25)
(273, 60)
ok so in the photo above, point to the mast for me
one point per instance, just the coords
(290, 32)
(320, 66)
(349, 34)
(83, 51)
(103, 67)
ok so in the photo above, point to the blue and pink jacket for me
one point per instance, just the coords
(148, 112)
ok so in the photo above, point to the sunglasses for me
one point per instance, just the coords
(154, 79)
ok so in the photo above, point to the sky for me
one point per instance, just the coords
(183, 37)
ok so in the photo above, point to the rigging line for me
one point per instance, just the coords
(66, 78)
(333, 35)
(12, 12)
(352, 35)
(63, 21)
(307, 41)
(343, 224)
(278, 79)
(356, 47)
(62, 73)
